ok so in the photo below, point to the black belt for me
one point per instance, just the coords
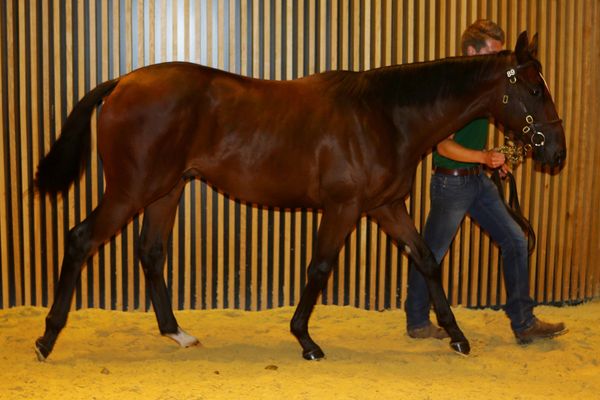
(476, 170)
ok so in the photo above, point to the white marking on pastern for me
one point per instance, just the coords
(183, 339)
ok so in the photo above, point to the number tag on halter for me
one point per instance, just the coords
(512, 75)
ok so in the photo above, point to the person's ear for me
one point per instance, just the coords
(471, 51)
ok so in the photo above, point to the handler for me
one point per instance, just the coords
(460, 186)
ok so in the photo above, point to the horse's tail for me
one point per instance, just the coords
(68, 155)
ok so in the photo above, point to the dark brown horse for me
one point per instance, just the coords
(347, 143)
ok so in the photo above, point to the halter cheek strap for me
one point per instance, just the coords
(537, 137)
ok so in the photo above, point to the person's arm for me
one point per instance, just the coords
(454, 151)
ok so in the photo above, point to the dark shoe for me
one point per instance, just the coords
(428, 331)
(540, 330)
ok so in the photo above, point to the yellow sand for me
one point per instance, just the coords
(251, 355)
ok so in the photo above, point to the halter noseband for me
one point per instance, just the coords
(537, 137)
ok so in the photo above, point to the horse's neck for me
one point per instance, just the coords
(463, 94)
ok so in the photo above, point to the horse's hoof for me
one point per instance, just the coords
(183, 339)
(40, 351)
(462, 348)
(313, 355)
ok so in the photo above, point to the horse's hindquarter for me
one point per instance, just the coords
(144, 129)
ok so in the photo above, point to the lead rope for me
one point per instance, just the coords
(514, 155)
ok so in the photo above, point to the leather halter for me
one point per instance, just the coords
(537, 137)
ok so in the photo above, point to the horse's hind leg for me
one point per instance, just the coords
(335, 226)
(158, 223)
(395, 221)
(82, 241)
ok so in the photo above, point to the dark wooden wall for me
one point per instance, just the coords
(224, 254)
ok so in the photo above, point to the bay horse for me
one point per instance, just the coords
(347, 143)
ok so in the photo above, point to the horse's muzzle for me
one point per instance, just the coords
(560, 157)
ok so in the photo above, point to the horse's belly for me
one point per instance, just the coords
(261, 187)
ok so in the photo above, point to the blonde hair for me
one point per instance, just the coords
(478, 32)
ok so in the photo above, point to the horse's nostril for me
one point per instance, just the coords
(560, 157)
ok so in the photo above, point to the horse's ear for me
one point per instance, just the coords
(522, 48)
(533, 46)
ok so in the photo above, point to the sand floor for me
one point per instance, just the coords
(251, 355)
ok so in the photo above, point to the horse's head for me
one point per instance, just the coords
(527, 111)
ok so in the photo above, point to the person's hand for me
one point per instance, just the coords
(504, 170)
(494, 159)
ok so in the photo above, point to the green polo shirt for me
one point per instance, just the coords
(472, 136)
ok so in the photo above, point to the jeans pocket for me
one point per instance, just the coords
(443, 186)
(438, 184)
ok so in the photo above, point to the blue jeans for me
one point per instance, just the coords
(451, 198)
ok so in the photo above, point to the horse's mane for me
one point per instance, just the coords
(417, 83)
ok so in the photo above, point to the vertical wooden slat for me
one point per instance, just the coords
(566, 37)
(345, 50)
(119, 238)
(233, 262)
(143, 35)
(94, 34)
(541, 186)
(342, 63)
(322, 43)
(47, 233)
(311, 37)
(83, 197)
(594, 44)
(578, 155)
(243, 259)
(354, 263)
(254, 261)
(197, 301)
(197, 187)
(129, 45)
(287, 243)
(232, 23)
(221, 199)
(555, 55)
(220, 223)
(230, 293)
(289, 21)
(264, 257)
(587, 158)
(466, 228)
(188, 190)
(24, 215)
(362, 262)
(372, 245)
(105, 250)
(4, 274)
(13, 153)
(400, 262)
(70, 94)
(266, 62)
(243, 208)
(35, 118)
(172, 23)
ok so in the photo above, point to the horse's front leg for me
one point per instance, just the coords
(335, 225)
(396, 222)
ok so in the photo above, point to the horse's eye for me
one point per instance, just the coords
(536, 92)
